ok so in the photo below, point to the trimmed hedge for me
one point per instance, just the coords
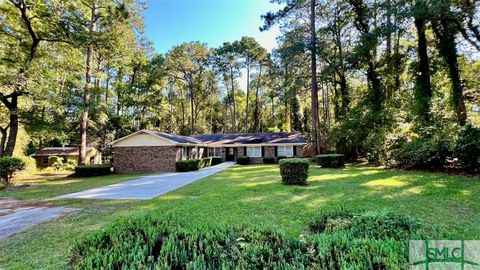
(243, 160)
(294, 171)
(280, 158)
(216, 160)
(269, 160)
(331, 160)
(187, 165)
(93, 170)
(193, 164)
(151, 243)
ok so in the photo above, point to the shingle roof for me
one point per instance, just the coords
(251, 138)
(178, 138)
(228, 138)
(58, 151)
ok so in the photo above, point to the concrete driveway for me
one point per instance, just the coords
(148, 187)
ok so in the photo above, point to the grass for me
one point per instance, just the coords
(448, 206)
(49, 186)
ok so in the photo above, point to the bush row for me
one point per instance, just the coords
(151, 243)
(196, 164)
(437, 150)
(245, 160)
(331, 160)
(93, 170)
(294, 171)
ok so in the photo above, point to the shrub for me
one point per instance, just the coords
(331, 160)
(423, 153)
(268, 160)
(59, 164)
(383, 225)
(467, 149)
(243, 160)
(9, 166)
(344, 251)
(294, 171)
(193, 164)
(216, 160)
(151, 243)
(280, 158)
(187, 165)
(92, 170)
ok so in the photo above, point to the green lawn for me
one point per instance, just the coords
(449, 206)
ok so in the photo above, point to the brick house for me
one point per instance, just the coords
(149, 151)
(43, 160)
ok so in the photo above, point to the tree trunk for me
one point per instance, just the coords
(256, 114)
(423, 89)
(248, 92)
(448, 51)
(20, 83)
(314, 90)
(233, 100)
(12, 127)
(3, 139)
(192, 117)
(86, 93)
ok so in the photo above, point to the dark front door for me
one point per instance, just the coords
(230, 154)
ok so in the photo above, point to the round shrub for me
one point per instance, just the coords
(9, 166)
(281, 157)
(294, 171)
(331, 160)
(269, 160)
(243, 160)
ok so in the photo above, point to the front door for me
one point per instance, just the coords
(230, 154)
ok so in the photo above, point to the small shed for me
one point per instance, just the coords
(43, 160)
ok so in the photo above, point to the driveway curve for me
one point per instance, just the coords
(148, 187)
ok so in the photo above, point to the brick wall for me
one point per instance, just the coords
(299, 150)
(145, 158)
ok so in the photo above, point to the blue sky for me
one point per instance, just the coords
(171, 22)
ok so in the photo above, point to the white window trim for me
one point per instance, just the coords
(254, 151)
(215, 151)
(287, 150)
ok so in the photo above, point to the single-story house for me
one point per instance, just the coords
(42, 156)
(149, 151)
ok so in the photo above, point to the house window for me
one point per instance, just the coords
(254, 151)
(215, 152)
(285, 150)
(45, 160)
